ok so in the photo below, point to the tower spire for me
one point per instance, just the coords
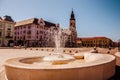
(72, 15)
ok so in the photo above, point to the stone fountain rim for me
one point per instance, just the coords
(14, 62)
(117, 54)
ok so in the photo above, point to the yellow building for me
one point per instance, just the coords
(6, 31)
(95, 41)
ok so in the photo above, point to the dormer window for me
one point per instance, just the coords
(9, 28)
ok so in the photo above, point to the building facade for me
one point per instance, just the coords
(6, 31)
(41, 33)
(34, 32)
(94, 41)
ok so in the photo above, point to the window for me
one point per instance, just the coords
(14, 32)
(24, 31)
(23, 37)
(29, 27)
(37, 32)
(37, 37)
(0, 25)
(15, 28)
(8, 34)
(41, 32)
(29, 32)
(29, 37)
(9, 27)
(15, 37)
(41, 22)
(0, 34)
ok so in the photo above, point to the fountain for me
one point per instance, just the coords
(58, 57)
(59, 66)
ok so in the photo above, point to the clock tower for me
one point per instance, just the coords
(72, 39)
(72, 20)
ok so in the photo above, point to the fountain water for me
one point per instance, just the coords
(58, 57)
(57, 39)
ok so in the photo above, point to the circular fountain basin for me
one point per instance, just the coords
(34, 68)
(117, 54)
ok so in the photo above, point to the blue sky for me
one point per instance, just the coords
(93, 17)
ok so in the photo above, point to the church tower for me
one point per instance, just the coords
(72, 40)
(72, 20)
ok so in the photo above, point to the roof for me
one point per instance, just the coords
(72, 16)
(91, 38)
(49, 23)
(99, 37)
(8, 18)
(28, 21)
(34, 21)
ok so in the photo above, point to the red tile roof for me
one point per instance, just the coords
(90, 38)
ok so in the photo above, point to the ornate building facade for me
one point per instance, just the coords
(34, 32)
(6, 31)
